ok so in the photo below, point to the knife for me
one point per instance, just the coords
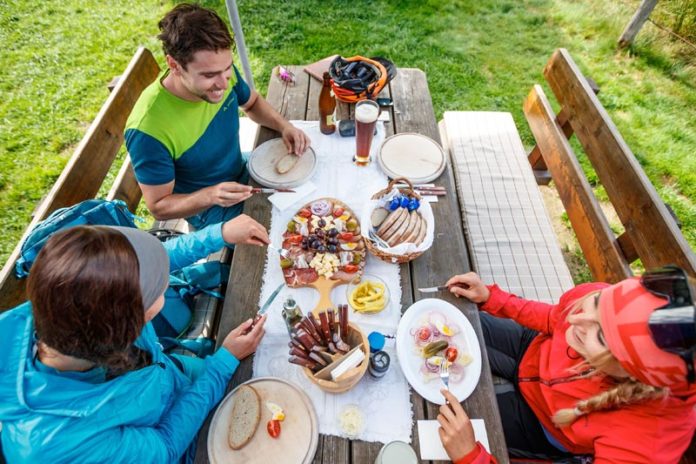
(433, 289)
(265, 306)
(441, 288)
(271, 190)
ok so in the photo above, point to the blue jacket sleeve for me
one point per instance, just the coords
(168, 440)
(189, 248)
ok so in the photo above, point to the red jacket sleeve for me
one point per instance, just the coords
(532, 314)
(478, 455)
(535, 315)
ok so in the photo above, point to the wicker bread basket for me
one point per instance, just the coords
(374, 249)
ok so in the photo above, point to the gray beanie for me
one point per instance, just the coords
(153, 263)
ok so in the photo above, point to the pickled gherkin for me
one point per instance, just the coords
(433, 348)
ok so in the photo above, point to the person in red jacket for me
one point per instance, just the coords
(608, 372)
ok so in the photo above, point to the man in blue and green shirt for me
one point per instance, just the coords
(183, 133)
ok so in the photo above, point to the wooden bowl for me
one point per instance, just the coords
(353, 376)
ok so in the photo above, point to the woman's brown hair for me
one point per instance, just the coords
(85, 292)
(189, 28)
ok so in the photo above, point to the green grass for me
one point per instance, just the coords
(482, 55)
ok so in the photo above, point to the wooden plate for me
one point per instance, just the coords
(416, 157)
(262, 163)
(299, 434)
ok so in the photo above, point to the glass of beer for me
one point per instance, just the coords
(366, 114)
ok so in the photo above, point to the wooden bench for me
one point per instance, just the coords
(85, 173)
(509, 231)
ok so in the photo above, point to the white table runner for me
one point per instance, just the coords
(385, 403)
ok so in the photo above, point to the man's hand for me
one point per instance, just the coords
(228, 193)
(469, 286)
(242, 344)
(295, 140)
(244, 229)
(456, 431)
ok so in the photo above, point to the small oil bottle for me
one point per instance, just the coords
(292, 314)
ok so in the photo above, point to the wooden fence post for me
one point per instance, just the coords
(637, 21)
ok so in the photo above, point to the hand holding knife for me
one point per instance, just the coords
(469, 286)
(265, 306)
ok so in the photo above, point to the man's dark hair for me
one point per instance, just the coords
(189, 28)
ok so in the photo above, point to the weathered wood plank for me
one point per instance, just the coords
(85, 171)
(654, 233)
(449, 255)
(126, 187)
(244, 287)
(596, 238)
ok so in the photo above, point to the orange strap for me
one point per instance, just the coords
(372, 90)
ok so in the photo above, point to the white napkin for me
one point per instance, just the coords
(282, 201)
(431, 448)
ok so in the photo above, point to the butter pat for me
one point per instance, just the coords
(350, 361)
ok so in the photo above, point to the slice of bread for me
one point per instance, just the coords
(389, 221)
(396, 227)
(423, 232)
(244, 417)
(286, 163)
(415, 231)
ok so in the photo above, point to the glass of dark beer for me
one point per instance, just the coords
(366, 114)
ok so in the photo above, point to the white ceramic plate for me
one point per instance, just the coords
(411, 361)
(414, 156)
(262, 161)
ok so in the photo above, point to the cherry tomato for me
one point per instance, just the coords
(424, 334)
(305, 213)
(350, 268)
(294, 239)
(273, 428)
(338, 212)
(346, 236)
(451, 354)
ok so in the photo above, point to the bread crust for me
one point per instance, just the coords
(423, 231)
(403, 218)
(239, 408)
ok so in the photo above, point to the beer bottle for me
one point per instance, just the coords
(327, 105)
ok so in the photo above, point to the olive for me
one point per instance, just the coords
(333, 232)
(332, 248)
(321, 223)
(357, 257)
(311, 238)
(316, 244)
(291, 226)
(305, 246)
(351, 225)
(320, 233)
(332, 241)
(286, 263)
(304, 240)
(321, 249)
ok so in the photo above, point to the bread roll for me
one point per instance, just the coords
(244, 417)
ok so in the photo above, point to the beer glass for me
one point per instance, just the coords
(366, 114)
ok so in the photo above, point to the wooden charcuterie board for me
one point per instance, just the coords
(323, 284)
(299, 434)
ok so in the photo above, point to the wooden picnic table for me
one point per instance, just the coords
(412, 112)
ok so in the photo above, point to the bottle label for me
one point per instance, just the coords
(329, 120)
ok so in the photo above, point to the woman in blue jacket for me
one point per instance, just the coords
(82, 377)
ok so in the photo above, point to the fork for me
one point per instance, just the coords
(281, 251)
(444, 374)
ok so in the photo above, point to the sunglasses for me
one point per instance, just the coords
(673, 326)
